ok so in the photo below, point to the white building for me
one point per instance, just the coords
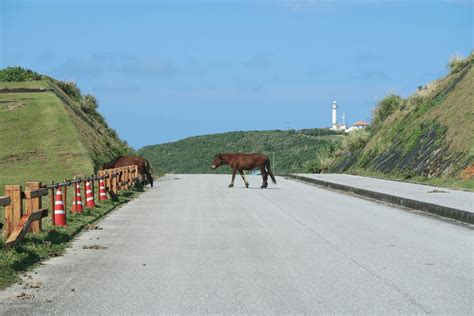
(343, 127)
(357, 125)
(335, 126)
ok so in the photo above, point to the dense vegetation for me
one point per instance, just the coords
(426, 137)
(290, 151)
(18, 74)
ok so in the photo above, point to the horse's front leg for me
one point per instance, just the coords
(234, 171)
(243, 177)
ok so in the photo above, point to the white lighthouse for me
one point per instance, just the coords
(334, 116)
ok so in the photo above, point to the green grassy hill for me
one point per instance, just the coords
(426, 137)
(290, 151)
(48, 132)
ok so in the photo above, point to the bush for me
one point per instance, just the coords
(355, 140)
(313, 166)
(89, 103)
(457, 62)
(17, 74)
(327, 162)
(385, 107)
(324, 159)
(71, 89)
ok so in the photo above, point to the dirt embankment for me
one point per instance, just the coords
(23, 90)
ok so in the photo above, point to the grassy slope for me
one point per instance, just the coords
(45, 136)
(428, 138)
(292, 151)
(38, 140)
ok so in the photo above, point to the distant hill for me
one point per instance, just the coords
(290, 151)
(428, 136)
(49, 130)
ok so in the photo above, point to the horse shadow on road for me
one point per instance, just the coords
(252, 188)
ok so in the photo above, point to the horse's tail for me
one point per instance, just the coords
(147, 164)
(269, 170)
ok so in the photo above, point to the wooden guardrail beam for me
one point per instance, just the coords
(5, 200)
(35, 193)
(23, 226)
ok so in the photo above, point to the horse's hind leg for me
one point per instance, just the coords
(234, 171)
(264, 177)
(243, 177)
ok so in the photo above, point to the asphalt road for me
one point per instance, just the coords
(192, 245)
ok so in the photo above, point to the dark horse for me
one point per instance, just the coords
(240, 162)
(124, 161)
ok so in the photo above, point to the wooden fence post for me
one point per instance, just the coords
(14, 211)
(33, 204)
(92, 185)
(124, 180)
(119, 178)
(127, 177)
(85, 191)
(52, 200)
(114, 183)
(98, 189)
(107, 180)
(99, 174)
(65, 198)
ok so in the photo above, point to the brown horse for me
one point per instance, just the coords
(240, 162)
(123, 161)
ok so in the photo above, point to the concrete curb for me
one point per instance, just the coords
(443, 211)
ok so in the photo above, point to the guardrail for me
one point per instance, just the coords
(23, 208)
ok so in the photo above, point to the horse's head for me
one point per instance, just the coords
(217, 161)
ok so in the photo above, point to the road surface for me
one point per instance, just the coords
(192, 245)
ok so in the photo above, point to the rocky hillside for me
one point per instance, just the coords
(428, 135)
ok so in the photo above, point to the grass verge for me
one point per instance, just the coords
(52, 242)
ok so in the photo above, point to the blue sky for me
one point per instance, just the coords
(165, 70)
